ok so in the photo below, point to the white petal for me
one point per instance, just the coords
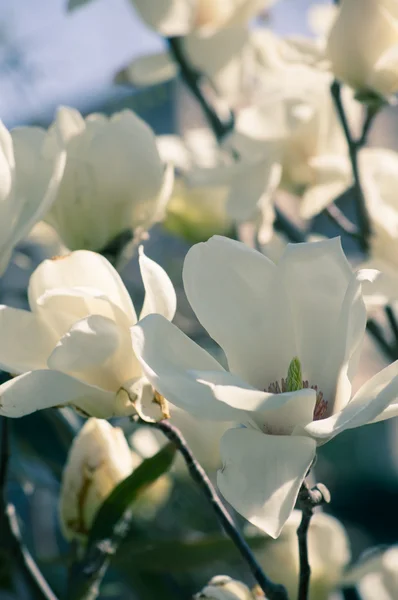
(160, 296)
(262, 475)
(366, 406)
(44, 389)
(176, 367)
(89, 342)
(26, 341)
(82, 269)
(148, 70)
(271, 413)
(328, 322)
(236, 296)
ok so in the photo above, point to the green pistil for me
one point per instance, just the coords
(294, 380)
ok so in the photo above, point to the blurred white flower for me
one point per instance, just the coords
(376, 575)
(328, 552)
(180, 17)
(74, 347)
(114, 179)
(214, 191)
(297, 125)
(30, 178)
(264, 316)
(363, 46)
(223, 587)
(98, 460)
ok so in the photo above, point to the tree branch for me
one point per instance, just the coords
(308, 499)
(272, 591)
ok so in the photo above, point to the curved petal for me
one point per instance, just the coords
(26, 340)
(262, 475)
(160, 296)
(152, 69)
(81, 269)
(328, 311)
(88, 343)
(44, 389)
(176, 367)
(237, 297)
(276, 413)
(367, 405)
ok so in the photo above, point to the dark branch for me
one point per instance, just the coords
(272, 591)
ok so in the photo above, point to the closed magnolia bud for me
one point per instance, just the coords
(363, 46)
(223, 587)
(98, 460)
(114, 179)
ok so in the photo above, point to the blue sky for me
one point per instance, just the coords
(49, 57)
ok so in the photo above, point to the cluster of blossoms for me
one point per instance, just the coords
(289, 319)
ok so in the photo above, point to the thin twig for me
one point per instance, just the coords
(377, 333)
(353, 148)
(339, 218)
(393, 323)
(272, 591)
(86, 576)
(308, 499)
(371, 113)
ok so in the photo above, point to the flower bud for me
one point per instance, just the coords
(99, 459)
(223, 587)
(114, 179)
(362, 46)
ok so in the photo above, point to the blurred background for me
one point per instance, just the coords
(49, 57)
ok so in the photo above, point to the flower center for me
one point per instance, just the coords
(295, 382)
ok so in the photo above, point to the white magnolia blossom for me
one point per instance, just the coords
(74, 346)
(304, 313)
(114, 179)
(180, 17)
(223, 587)
(296, 125)
(30, 177)
(376, 575)
(363, 46)
(98, 460)
(213, 191)
(328, 553)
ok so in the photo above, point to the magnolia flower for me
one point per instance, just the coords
(328, 554)
(212, 191)
(74, 347)
(29, 183)
(99, 459)
(114, 179)
(376, 575)
(366, 31)
(223, 587)
(291, 333)
(179, 17)
(297, 126)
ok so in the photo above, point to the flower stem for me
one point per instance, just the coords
(272, 591)
(308, 499)
(354, 146)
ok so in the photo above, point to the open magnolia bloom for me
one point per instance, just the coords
(98, 460)
(114, 179)
(30, 178)
(211, 194)
(297, 126)
(74, 347)
(376, 575)
(328, 553)
(180, 17)
(367, 32)
(292, 334)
